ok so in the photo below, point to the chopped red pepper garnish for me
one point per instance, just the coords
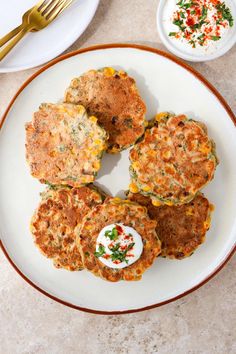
(123, 247)
(119, 229)
(116, 262)
(127, 237)
(106, 256)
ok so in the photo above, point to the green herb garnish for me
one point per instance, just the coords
(193, 44)
(225, 13)
(204, 13)
(120, 255)
(179, 23)
(101, 251)
(187, 5)
(215, 38)
(201, 39)
(51, 186)
(112, 234)
(115, 248)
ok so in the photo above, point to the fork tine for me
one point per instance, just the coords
(58, 9)
(66, 3)
(51, 7)
(47, 5)
(41, 5)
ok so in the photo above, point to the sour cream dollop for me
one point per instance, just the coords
(118, 246)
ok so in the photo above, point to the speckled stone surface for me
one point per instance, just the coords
(202, 322)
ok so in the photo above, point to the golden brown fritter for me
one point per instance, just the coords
(174, 161)
(53, 223)
(182, 228)
(113, 98)
(115, 210)
(63, 145)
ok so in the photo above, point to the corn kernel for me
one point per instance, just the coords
(94, 152)
(135, 165)
(116, 200)
(160, 116)
(205, 149)
(84, 180)
(93, 71)
(167, 154)
(97, 141)
(151, 153)
(169, 203)
(207, 223)
(156, 202)
(127, 201)
(74, 83)
(146, 188)
(212, 208)
(133, 188)
(97, 165)
(80, 109)
(93, 119)
(88, 227)
(189, 211)
(122, 73)
(109, 71)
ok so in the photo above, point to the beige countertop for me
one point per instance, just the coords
(202, 322)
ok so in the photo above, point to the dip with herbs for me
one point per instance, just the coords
(118, 246)
(199, 24)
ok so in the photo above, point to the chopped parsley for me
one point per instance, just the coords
(179, 23)
(204, 13)
(118, 254)
(172, 34)
(215, 38)
(51, 186)
(225, 13)
(101, 251)
(112, 234)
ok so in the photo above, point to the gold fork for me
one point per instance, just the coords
(35, 19)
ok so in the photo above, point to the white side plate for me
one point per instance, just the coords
(40, 47)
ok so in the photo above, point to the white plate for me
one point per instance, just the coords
(164, 85)
(38, 48)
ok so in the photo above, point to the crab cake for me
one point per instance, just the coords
(182, 228)
(174, 160)
(63, 145)
(113, 98)
(53, 223)
(107, 251)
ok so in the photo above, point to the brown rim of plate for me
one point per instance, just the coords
(200, 78)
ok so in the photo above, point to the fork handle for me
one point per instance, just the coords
(13, 42)
(10, 35)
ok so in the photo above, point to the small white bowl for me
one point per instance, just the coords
(192, 54)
